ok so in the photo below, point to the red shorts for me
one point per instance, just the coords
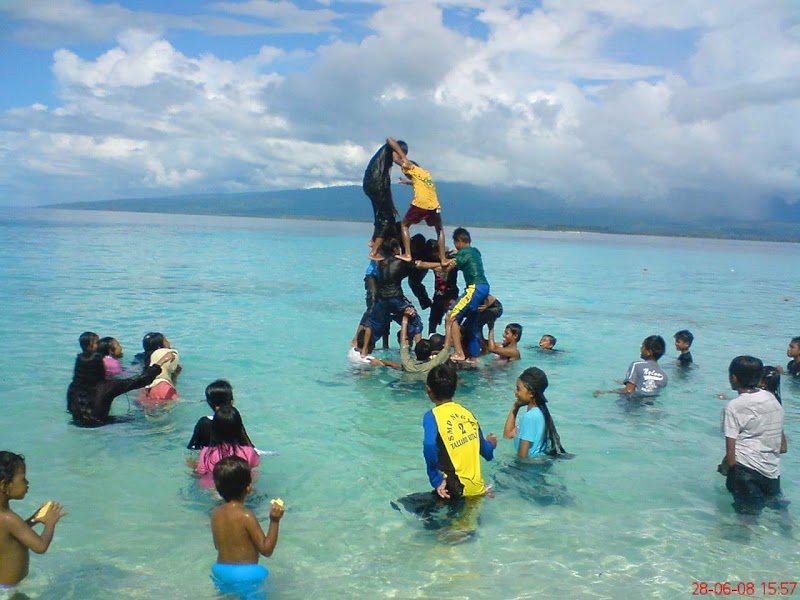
(415, 215)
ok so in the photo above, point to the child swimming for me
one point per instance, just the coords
(238, 536)
(17, 537)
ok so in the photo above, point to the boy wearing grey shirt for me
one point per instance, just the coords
(644, 377)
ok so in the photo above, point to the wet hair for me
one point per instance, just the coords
(432, 250)
(461, 235)
(403, 146)
(684, 335)
(423, 349)
(105, 346)
(442, 382)
(231, 477)
(795, 341)
(9, 465)
(389, 247)
(219, 393)
(437, 342)
(226, 428)
(552, 339)
(150, 343)
(535, 381)
(515, 329)
(417, 245)
(771, 381)
(655, 345)
(747, 370)
(360, 341)
(89, 370)
(87, 339)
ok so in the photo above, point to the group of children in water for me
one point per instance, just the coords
(453, 442)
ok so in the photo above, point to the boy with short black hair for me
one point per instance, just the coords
(793, 352)
(547, 343)
(754, 439)
(508, 349)
(17, 537)
(683, 341)
(644, 377)
(238, 536)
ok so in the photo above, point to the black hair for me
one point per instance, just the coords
(461, 235)
(231, 477)
(747, 370)
(442, 382)
(105, 346)
(389, 247)
(417, 245)
(535, 380)
(515, 329)
(403, 146)
(423, 349)
(432, 250)
(86, 339)
(437, 342)
(219, 393)
(552, 338)
(89, 370)
(150, 343)
(360, 340)
(226, 429)
(795, 341)
(771, 381)
(684, 335)
(655, 345)
(9, 465)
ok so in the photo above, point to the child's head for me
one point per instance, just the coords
(418, 246)
(437, 342)
(512, 333)
(360, 341)
(219, 393)
(653, 347)
(423, 349)
(88, 341)
(531, 385)
(153, 341)
(232, 478)
(771, 381)
(226, 427)
(432, 250)
(745, 372)
(390, 247)
(109, 346)
(403, 147)
(461, 237)
(442, 382)
(794, 348)
(547, 342)
(12, 475)
(683, 340)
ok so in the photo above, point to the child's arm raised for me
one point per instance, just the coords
(265, 544)
(397, 150)
(23, 531)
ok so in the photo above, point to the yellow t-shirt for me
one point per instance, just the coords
(458, 429)
(424, 188)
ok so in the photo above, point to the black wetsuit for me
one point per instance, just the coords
(378, 187)
(89, 398)
(793, 368)
(493, 312)
(685, 359)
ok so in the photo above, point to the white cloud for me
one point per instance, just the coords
(510, 107)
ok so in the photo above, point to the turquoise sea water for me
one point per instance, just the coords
(271, 306)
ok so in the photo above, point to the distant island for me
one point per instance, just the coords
(469, 205)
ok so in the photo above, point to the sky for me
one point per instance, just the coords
(689, 105)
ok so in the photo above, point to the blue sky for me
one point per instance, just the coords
(646, 102)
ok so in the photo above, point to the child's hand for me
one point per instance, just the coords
(168, 356)
(276, 512)
(597, 393)
(53, 514)
(492, 439)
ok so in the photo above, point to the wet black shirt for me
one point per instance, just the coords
(391, 273)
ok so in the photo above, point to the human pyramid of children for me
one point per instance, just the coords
(453, 441)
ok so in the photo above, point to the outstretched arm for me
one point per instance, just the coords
(397, 149)
(628, 389)
(24, 533)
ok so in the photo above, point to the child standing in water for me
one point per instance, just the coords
(17, 537)
(219, 393)
(508, 349)
(535, 430)
(238, 536)
(226, 432)
(111, 351)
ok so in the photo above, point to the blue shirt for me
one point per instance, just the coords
(531, 429)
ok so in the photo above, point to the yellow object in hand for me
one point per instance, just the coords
(277, 501)
(43, 511)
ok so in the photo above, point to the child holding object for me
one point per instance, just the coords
(17, 537)
(238, 536)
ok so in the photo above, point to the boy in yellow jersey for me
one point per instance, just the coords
(425, 205)
(453, 441)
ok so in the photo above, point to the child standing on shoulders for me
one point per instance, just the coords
(17, 537)
(238, 536)
(644, 377)
(425, 205)
(683, 341)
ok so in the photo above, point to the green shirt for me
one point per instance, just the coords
(469, 262)
(412, 365)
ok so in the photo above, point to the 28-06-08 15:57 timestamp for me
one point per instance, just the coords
(744, 588)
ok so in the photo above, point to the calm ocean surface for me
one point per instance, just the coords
(272, 305)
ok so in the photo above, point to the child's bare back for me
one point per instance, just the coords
(238, 536)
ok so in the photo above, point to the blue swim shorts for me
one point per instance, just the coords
(246, 582)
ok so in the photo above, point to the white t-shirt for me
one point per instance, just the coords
(755, 421)
(355, 358)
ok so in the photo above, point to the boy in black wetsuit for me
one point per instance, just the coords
(683, 341)
(390, 303)
(793, 352)
(378, 188)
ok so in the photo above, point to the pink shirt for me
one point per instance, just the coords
(211, 455)
(113, 368)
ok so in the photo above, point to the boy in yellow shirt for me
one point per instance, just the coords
(425, 205)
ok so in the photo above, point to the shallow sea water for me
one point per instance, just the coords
(271, 305)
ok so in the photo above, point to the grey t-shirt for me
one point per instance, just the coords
(755, 421)
(647, 376)
(412, 365)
